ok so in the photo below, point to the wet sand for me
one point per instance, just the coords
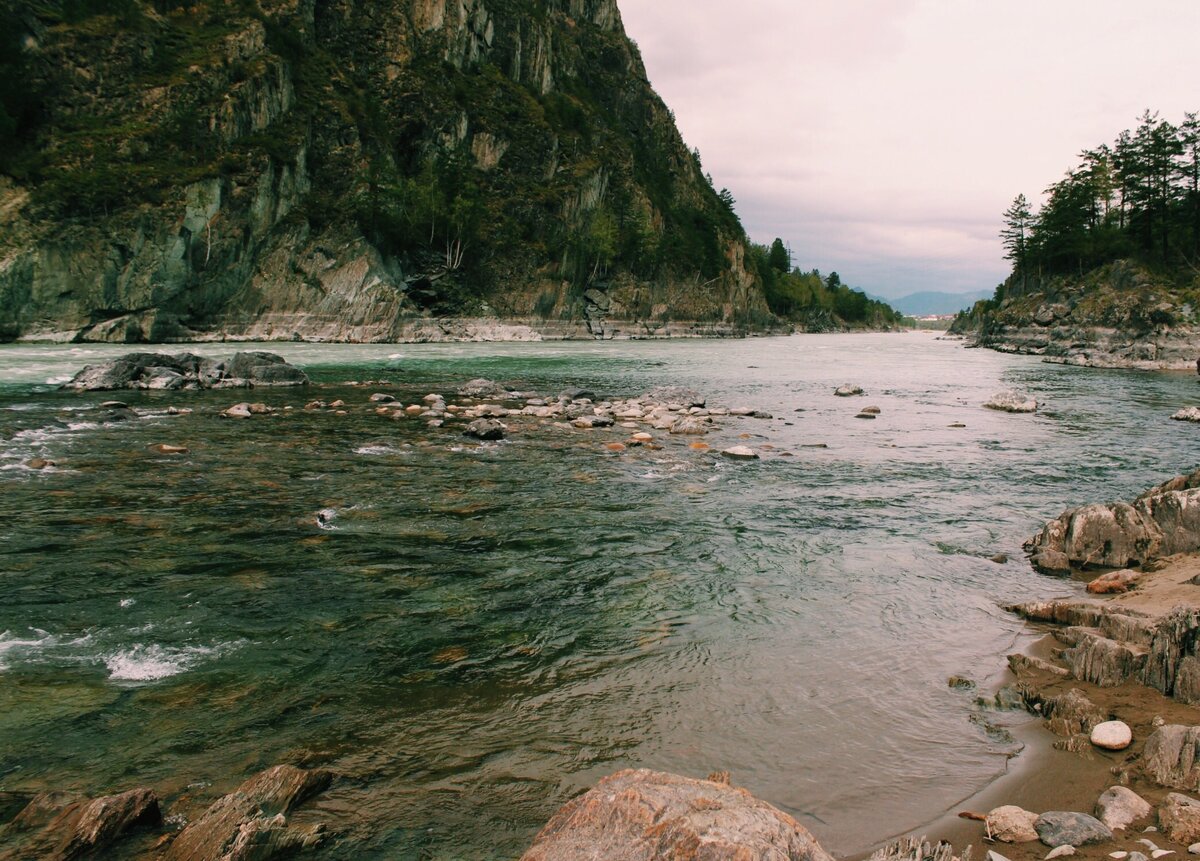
(1042, 778)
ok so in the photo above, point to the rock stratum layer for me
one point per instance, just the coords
(378, 171)
(1119, 316)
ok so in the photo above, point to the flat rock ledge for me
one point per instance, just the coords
(643, 815)
(187, 371)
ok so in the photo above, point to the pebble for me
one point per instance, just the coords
(164, 448)
(39, 463)
(1112, 735)
(872, 410)
(865, 416)
(957, 425)
(237, 411)
(1159, 853)
(1119, 856)
(1194, 849)
(615, 446)
(1060, 851)
(643, 437)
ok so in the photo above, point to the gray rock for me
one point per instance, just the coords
(486, 429)
(1118, 807)
(675, 395)
(848, 391)
(993, 855)
(1060, 852)
(1072, 713)
(1171, 757)
(740, 452)
(186, 370)
(576, 394)
(690, 425)
(1065, 828)
(1179, 818)
(642, 815)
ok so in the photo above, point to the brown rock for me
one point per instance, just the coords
(1179, 818)
(164, 448)
(250, 823)
(39, 463)
(1170, 757)
(84, 828)
(639, 815)
(1012, 824)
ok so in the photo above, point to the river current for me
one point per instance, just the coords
(481, 631)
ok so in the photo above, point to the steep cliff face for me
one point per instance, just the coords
(352, 171)
(1119, 316)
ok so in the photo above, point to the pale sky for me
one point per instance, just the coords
(883, 139)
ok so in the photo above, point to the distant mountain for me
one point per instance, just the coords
(928, 302)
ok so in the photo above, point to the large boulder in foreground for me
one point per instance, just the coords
(1172, 757)
(187, 371)
(1161, 522)
(640, 815)
(63, 831)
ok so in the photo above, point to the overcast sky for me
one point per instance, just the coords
(884, 138)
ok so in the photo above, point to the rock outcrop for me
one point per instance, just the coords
(1119, 316)
(391, 170)
(641, 815)
(1161, 522)
(187, 371)
(64, 831)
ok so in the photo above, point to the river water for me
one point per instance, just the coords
(482, 631)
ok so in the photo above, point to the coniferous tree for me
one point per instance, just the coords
(778, 257)
(1018, 219)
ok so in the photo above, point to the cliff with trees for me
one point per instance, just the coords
(383, 170)
(1107, 271)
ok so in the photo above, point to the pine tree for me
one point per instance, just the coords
(779, 258)
(1018, 219)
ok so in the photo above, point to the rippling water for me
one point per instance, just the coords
(482, 631)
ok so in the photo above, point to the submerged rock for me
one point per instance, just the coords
(84, 829)
(250, 823)
(481, 389)
(1188, 414)
(642, 815)
(187, 371)
(740, 452)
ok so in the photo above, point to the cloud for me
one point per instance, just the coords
(889, 135)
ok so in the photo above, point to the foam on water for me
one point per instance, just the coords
(149, 663)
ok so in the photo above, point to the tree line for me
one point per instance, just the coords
(815, 301)
(1138, 198)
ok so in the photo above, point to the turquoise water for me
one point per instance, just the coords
(481, 631)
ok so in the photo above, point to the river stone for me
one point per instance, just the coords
(486, 429)
(1179, 818)
(1194, 849)
(1012, 824)
(675, 395)
(576, 394)
(1011, 402)
(1187, 414)
(847, 391)
(1118, 807)
(1061, 828)
(1060, 852)
(264, 369)
(690, 426)
(1171, 757)
(1112, 735)
(237, 411)
(250, 823)
(741, 452)
(643, 815)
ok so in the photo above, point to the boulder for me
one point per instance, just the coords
(1161, 522)
(187, 371)
(237, 411)
(1012, 824)
(250, 823)
(642, 815)
(1170, 757)
(690, 426)
(1187, 414)
(1112, 735)
(486, 429)
(1113, 582)
(1066, 828)
(576, 394)
(1011, 402)
(1118, 807)
(1179, 818)
(1060, 852)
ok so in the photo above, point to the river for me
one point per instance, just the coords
(482, 631)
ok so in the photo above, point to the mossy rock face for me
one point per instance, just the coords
(363, 161)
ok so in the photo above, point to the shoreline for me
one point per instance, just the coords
(1056, 773)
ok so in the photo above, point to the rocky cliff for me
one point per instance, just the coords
(325, 169)
(1119, 316)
